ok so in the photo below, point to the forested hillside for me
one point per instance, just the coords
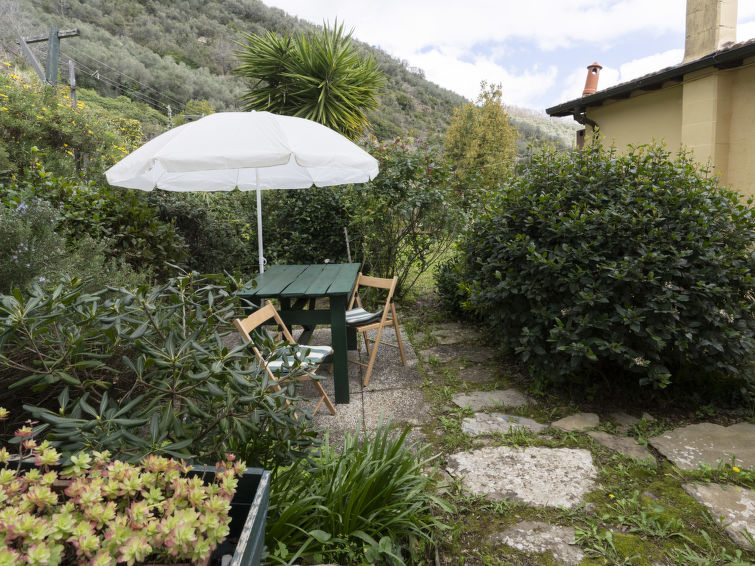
(168, 53)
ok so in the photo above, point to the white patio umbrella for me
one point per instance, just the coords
(248, 151)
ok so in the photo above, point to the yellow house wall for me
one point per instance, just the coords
(741, 170)
(654, 115)
(711, 113)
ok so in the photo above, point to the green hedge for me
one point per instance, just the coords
(593, 263)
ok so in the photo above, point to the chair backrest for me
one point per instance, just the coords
(247, 325)
(259, 317)
(375, 283)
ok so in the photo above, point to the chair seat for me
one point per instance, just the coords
(359, 316)
(309, 356)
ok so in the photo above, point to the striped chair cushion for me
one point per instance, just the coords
(359, 316)
(309, 356)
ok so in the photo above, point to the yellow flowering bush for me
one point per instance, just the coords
(68, 139)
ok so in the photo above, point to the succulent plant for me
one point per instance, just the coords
(101, 512)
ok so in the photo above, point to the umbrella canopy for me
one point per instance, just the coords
(248, 151)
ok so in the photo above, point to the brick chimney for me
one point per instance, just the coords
(710, 25)
(591, 83)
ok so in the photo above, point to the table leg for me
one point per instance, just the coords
(340, 347)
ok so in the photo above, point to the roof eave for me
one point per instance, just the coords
(726, 58)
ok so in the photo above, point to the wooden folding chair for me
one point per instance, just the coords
(278, 366)
(362, 320)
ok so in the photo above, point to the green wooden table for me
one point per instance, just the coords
(297, 287)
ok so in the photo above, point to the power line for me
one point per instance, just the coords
(132, 92)
(145, 86)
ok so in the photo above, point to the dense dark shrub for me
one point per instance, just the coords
(449, 282)
(220, 229)
(304, 226)
(594, 263)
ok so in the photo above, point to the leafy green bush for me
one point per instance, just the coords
(145, 371)
(409, 215)
(305, 226)
(121, 217)
(593, 263)
(219, 228)
(34, 250)
(450, 284)
(370, 502)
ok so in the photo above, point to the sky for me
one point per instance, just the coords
(537, 49)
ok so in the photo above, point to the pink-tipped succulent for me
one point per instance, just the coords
(111, 512)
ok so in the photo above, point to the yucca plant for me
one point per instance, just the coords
(370, 502)
(322, 77)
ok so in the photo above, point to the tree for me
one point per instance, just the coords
(320, 76)
(481, 137)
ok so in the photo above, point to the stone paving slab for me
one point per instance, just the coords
(624, 420)
(498, 423)
(536, 536)
(555, 477)
(624, 445)
(478, 355)
(478, 400)
(443, 354)
(734, 503)
(448, 353)
(454, 334)
(577, 422)
(692, 445)
(476, 374)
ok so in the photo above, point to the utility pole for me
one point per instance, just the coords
(72, 83)
(50, 75)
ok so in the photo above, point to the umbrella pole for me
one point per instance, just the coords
(259, 229)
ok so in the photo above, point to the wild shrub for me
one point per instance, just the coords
(593, 264)
(35, 249)
(39, 124)
(122, 218)
(220, 229)
(450, 285)
(406, 218)
(145, 371)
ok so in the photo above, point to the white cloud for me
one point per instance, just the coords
(458, 44)
(465, 77)
(746, 31)
(639, 67)
(401, 26)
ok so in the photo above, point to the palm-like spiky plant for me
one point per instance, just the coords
(321, 77)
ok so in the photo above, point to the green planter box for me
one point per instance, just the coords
(246, 541)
